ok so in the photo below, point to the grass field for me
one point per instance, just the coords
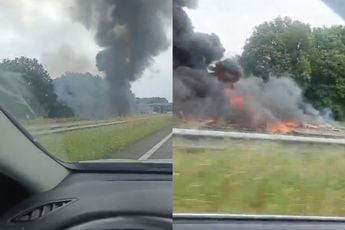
(259, 177)
(97, 143)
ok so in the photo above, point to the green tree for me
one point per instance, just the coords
(327, 60)
(40, 95)
(277, 47)
(152, 100)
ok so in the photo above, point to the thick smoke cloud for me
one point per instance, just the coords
(131, 33)
(192, 49)
(195, 92)
(271, 101)
(208, 86)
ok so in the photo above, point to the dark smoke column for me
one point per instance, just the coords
(196, 93)
(192, 49)
(131, 32)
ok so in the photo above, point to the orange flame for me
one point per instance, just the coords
(255, 119)
(236, 101)
(281, 126)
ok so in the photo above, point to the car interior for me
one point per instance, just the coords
(40, 192)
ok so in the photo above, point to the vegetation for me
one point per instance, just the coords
(152, 100)
(261, 178)
(100, 142)
(29, 90)
(314, 57)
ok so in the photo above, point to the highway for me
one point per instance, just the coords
(155, 146)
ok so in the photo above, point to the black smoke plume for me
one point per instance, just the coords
(131, 33)
(196, 91)
(192, 49)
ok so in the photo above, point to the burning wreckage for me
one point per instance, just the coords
(222, 92)
(208, 88)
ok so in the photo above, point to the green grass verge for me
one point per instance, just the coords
(97, 143)
(261, 178)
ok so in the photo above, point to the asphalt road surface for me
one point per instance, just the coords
(155, 146)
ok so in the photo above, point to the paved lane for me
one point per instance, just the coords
(165, 151)
(155, 146)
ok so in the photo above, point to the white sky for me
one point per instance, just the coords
(233, 20)
(43, 29)
(37, 27)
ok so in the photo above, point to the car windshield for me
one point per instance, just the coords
(89, 80)
(259, 99)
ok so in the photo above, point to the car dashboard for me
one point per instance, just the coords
(97, 201)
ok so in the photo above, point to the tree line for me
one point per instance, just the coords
(28, 92)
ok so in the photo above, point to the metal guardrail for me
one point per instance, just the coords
(60, 130)
(254, 136)
(33, 128)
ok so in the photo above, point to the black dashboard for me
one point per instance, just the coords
(98, 201)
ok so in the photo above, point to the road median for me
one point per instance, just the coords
(100, 142)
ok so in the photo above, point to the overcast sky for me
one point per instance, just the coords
(44, 29)
(233, 20)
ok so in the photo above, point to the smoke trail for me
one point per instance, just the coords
(131, 33)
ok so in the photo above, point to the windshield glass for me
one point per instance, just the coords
(89, 80)
(259, 100)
